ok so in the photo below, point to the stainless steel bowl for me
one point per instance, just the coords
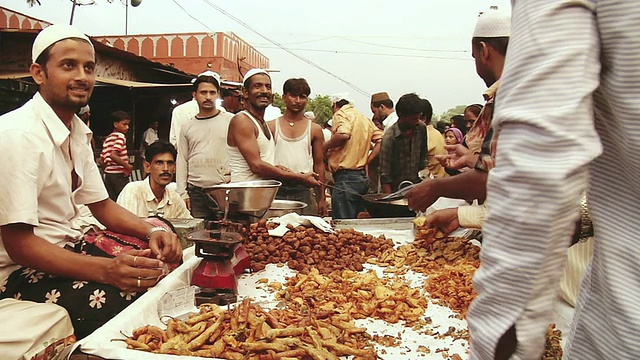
(281, 207)
(248, 197)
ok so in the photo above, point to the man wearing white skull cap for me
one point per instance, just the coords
(43, 254)
(251, 144)
(488, 48)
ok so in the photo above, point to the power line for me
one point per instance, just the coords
(283, 48)
(191, 16)
(368, 53)
(400, 47)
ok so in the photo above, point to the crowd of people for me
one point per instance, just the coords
(513, 158)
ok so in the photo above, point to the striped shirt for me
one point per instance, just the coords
(568, 115)
(116, 141)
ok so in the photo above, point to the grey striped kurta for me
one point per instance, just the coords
(568, 116)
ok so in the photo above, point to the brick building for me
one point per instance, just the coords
(224, 53)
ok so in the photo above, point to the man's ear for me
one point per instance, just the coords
(147, 166)
(485, 51)
(38, 73)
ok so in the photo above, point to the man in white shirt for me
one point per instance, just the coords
(179, 116)
(52, 171)
(151, 197)
(149, 137)
(382, 109)
(202, 156)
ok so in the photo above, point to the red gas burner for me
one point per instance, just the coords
(223, 260)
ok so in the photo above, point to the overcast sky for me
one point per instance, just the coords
(401, 46)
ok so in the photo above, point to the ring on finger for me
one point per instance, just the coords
(138, 282)
(135, 260)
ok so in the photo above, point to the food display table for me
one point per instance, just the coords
(441, 332)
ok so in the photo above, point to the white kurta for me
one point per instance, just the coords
(567, 61)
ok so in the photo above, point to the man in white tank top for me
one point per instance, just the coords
(299, 147)
(250, 143)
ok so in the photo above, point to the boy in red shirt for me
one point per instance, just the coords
(114, 155)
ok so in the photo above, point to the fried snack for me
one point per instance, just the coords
(243, 333)
(304, 248)
(354, 296)
(552, 349)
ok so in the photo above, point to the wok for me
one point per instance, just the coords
(386, 208)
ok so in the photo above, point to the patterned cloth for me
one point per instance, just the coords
(89, 304)
(567, 117)
(476, 135)
(401, 157)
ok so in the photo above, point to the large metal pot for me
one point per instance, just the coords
(248, 197)
(281, 207)
(387, 209)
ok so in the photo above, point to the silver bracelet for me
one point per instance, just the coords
(586, 226)
(155, 229)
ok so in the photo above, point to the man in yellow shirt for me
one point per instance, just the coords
(435, 142)
(348, 154)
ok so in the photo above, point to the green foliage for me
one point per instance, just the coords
(321, 106)
(277, 102)
(447, 115)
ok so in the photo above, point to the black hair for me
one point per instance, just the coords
(296, 87)
(118, 116)
(409, 104)
(460, 123)
(205, 79)
(341, 103)
(159, 147)
(500, 44)
(427, 111)
(440, 126)
(474, 108)
(386, 102)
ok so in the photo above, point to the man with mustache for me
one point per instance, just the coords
(250, 142)
(404, 146)
(150, 197)
(43, 254)
(202, 156)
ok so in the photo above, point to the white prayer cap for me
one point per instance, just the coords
(493, 23)
(54, 33)
(310, 115)
(252, 72)
(85, 109)
(341, 96)
(213, 74)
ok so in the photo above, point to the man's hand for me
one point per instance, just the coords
(445, 220)
(462, 157)
(134, 271)
(322, 208)
(187, 202)
(423, 195)
(284, 168)
(309, 179)
(165, 246)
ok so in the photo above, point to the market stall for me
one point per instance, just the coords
(365, 289)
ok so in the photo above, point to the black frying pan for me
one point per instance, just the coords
(386, 209)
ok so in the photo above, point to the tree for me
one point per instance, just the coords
(277, 102)
(321, 106)
(447, 115)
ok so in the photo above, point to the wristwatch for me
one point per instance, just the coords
(155, 229)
